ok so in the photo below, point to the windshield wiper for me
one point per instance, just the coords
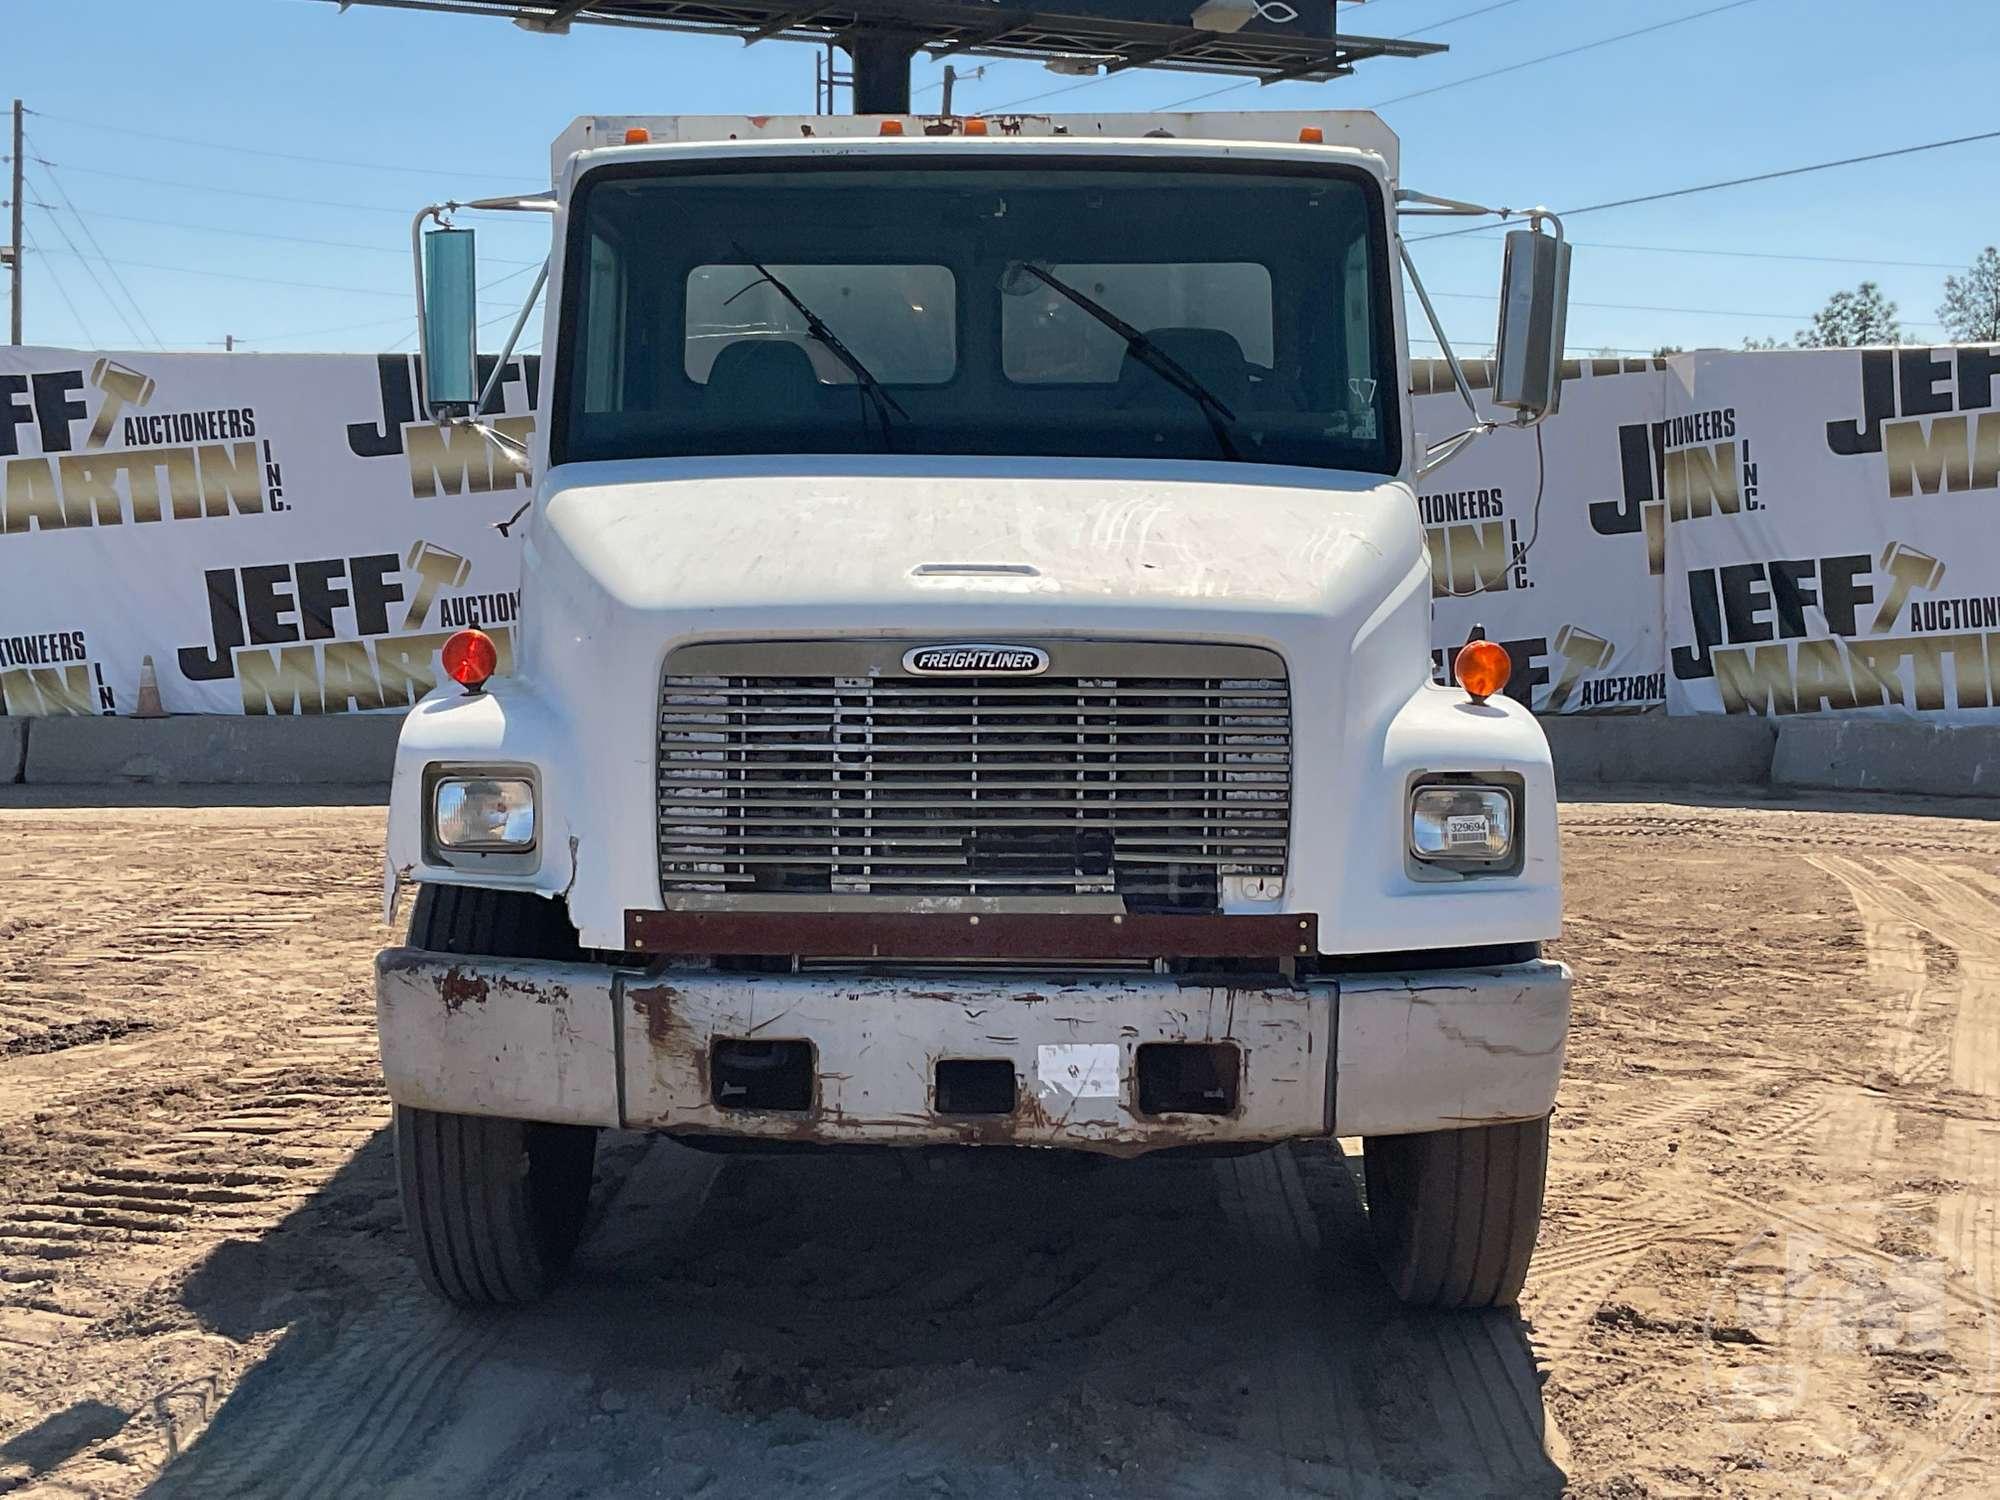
(871, 388)
(1152, 356)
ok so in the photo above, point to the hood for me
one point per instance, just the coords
(764, 548)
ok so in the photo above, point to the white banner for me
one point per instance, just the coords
(1833, 533)
(1535, 540)
(274, 532)
(1793, 532)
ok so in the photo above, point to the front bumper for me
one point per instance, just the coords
(1375, 1054)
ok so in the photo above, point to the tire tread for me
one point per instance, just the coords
(492, 1219)
(1455, 1213)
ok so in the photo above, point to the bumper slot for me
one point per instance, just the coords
(975, 1086)
(761, 1075)
(1188, 1078)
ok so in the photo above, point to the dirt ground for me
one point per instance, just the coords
(1768, 1266)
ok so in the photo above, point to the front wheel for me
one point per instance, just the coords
(494, 1207)
(1454, 1213)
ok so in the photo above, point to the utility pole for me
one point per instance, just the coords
(950, 77)
(14, 245)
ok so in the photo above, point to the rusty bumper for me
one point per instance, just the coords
(589, 1044)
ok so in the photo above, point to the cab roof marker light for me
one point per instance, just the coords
(638, 135)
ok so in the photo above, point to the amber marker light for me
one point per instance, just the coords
(470, 658)
(638, 135)
(1482, 669)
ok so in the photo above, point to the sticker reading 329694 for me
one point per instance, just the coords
(1467, 828)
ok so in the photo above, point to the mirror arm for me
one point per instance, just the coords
(1437, 455)
(513, 338)
(1444, 343)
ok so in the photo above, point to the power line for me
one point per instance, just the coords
(322, 161)
(1454, 20)
(1834, 260)
(95, 280)
(308, 333)
(1710, 187)
(91, 234)
(308, 286)
(61, 290)
(228, 232)
(1699, 312)
(1623, 36)
(203, 187)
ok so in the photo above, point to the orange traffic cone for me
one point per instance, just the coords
(149, 692)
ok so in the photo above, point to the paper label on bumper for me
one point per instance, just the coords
(1069, 1073)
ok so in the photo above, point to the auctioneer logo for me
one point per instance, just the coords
(455, 458)
(1684, 468)
(277, 629)
(177, 464)
(1751, 635)
(1930, 418)
(50, 673)
(1475, 545)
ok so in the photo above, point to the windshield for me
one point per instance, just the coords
(1067, 310)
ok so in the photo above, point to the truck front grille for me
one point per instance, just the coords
(1142, 785)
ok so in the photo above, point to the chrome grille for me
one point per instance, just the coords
(1138, 785)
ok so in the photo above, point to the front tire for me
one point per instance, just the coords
(494, 1207)
(1454, 1213)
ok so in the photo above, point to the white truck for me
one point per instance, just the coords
(972, 686)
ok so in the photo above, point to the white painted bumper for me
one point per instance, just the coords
(586, 1044)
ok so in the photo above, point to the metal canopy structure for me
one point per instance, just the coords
(1275, 41)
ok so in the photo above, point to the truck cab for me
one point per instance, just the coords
(971, 689)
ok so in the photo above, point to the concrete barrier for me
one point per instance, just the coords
(1614, 748)
(1873, 755)
(330, 750)
(1884, 755)
(13, 748)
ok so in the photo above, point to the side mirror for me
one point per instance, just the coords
(1534, 309)
(450, 321)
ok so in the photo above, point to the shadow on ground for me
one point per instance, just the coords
(990, 1324)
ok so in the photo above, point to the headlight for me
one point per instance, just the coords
(483, 812)
(1462, 827)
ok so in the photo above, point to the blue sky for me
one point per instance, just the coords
(171, 128)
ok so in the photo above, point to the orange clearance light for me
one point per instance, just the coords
(975, 127)
(892, 127)
(1482, 668)
(470, 657)
(638, 135)
(1312, 135)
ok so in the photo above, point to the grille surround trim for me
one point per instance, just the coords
(818, 774)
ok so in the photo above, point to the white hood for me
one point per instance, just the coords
(877, 546)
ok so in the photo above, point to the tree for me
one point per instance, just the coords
(1852, 319)
(1666, 349)
(1765, 344)
(1970, 311)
